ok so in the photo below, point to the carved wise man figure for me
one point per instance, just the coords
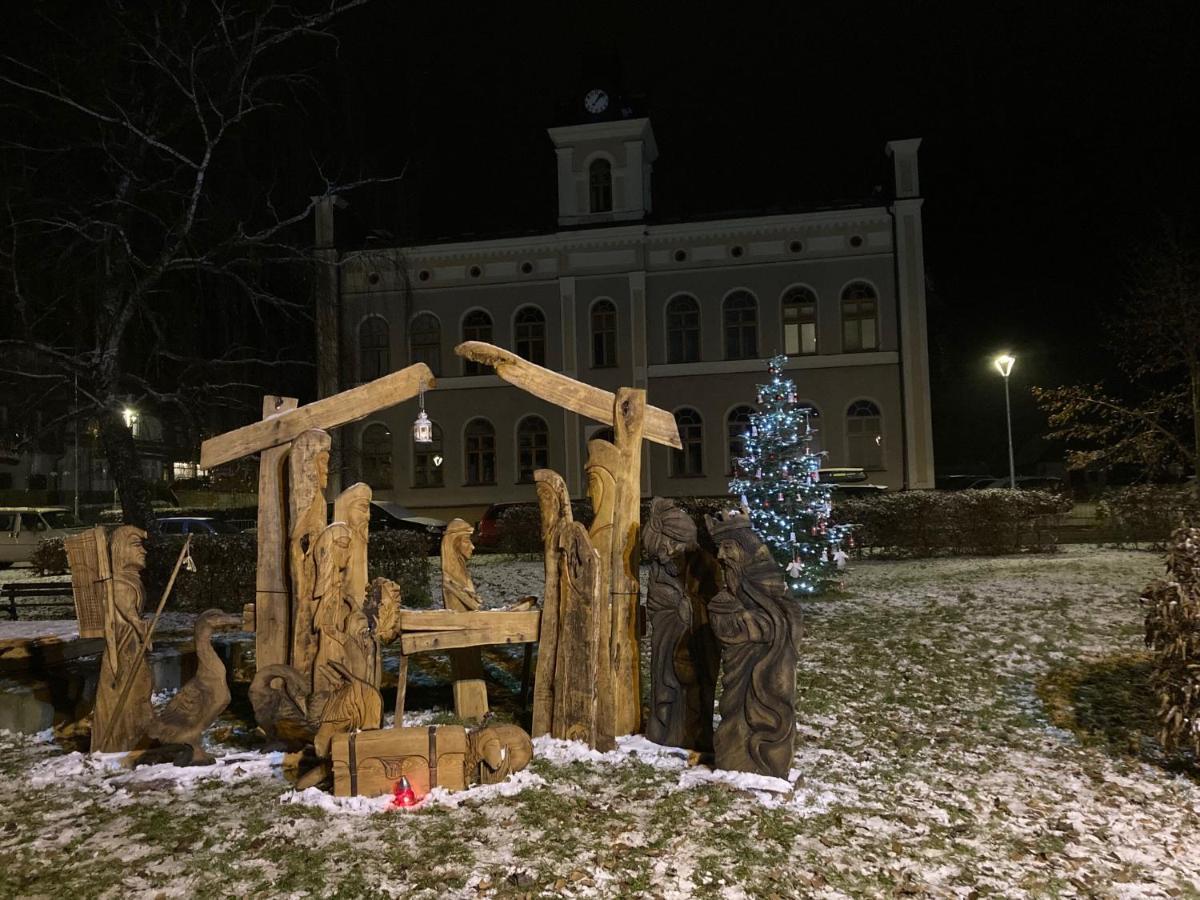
(757, 627)
(123, 711)
(308, 474)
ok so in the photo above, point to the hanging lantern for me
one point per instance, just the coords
(403, 794)
(422, 427)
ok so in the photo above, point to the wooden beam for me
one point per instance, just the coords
(453, 620)
(340, 409)
(593, 402)
(272, 600)
(421, 641)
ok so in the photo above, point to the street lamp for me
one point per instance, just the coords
(1004, 364)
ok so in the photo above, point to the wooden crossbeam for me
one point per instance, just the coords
(422, 630)
(593, 402)
(340, 409)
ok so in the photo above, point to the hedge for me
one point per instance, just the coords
(1146, 513)
(225, 568)
(932, 523)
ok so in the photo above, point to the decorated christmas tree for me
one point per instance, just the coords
(777, 481)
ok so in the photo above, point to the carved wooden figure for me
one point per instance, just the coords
(684, 654)
(308, 467)
(353, 506)
(757, 626)
(123, 712)
(202, 699)
(448, 756)
(555, 505)
(331, 605)
(580, 712)
(458, 594)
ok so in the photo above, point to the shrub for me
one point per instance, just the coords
(50, 557)
(226, 568)
(520, 527)
(929, 523)
(1146, 513)
(1173, 632)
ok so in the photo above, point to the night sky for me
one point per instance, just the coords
(1055, 140)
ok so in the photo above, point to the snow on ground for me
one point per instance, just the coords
(927, 765)
(59, 629)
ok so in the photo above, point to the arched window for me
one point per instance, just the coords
(600, 186)
(530, 325)
(604, 334)
(737, 426)
(860, 318)
(864, 435)
(814, 422)
(425, 337)
(741, 325)
(683, 330)
(533, 447)
(480, 452)
(799, 322)
(374, 356)
(476, 326)
(427, 461)
(688, 461)
(377, 456)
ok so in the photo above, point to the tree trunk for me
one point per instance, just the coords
(1195, 373)
(125, 465)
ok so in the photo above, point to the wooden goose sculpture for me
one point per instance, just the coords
(202, 699)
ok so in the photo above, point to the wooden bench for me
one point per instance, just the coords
(38, 595)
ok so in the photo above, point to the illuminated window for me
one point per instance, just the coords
(799, 322)
(864, 435)
(860, 318)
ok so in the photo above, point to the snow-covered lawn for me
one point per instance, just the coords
(927, 765)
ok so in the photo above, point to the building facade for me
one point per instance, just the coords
(688, 311)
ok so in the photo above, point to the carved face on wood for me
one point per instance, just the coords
(604, 460)
(669, 532)
(354, 507)
(332, 556)
(309, 466)
(128, 549)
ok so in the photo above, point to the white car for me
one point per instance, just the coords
(21, 527)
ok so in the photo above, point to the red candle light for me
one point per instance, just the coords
(403, 794)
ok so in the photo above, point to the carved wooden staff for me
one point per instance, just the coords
(140, 658)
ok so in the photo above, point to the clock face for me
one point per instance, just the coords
(595, 101)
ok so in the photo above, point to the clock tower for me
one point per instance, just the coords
(604, 163)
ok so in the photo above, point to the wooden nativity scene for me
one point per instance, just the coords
(321, 628)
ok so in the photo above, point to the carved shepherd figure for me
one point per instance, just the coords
(308, 474)
(758, 628)
(684, 655)
(123, 712)
(459, 595)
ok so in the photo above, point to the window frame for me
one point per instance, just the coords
(730, 438)
(435, 365)
(535, 452)
(853, 439)
(481, 453)
(852, 311)
(740, 328)
(423, 455)
(684, 330)
(600, 185)
(689, 440)
(388, 480)
(382, 352)
(538, 341)
(604, 340)
(789, 301)
(469, 366)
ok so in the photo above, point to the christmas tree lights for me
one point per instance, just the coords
(777, 481)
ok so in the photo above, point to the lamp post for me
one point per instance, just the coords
(1004, 363)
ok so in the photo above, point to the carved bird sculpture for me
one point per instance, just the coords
(202, 699)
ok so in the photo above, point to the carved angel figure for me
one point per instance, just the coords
(757, 627)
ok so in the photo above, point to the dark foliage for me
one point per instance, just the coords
(1146, 513)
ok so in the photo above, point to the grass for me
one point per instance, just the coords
(966, 728)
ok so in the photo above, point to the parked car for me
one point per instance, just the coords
(21, 527)
(1030, 483)
(195, 525)
(849, 481)
(388, 516)
(489, 530)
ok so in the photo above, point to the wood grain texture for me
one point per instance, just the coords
(561, 390)
(555, 505)
(340, 409)
(272, 600)
(458, 595)
(308, 474)
(757, 627)
(625, 555)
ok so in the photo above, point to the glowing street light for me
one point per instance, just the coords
(131, 417)
(1004, 365)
